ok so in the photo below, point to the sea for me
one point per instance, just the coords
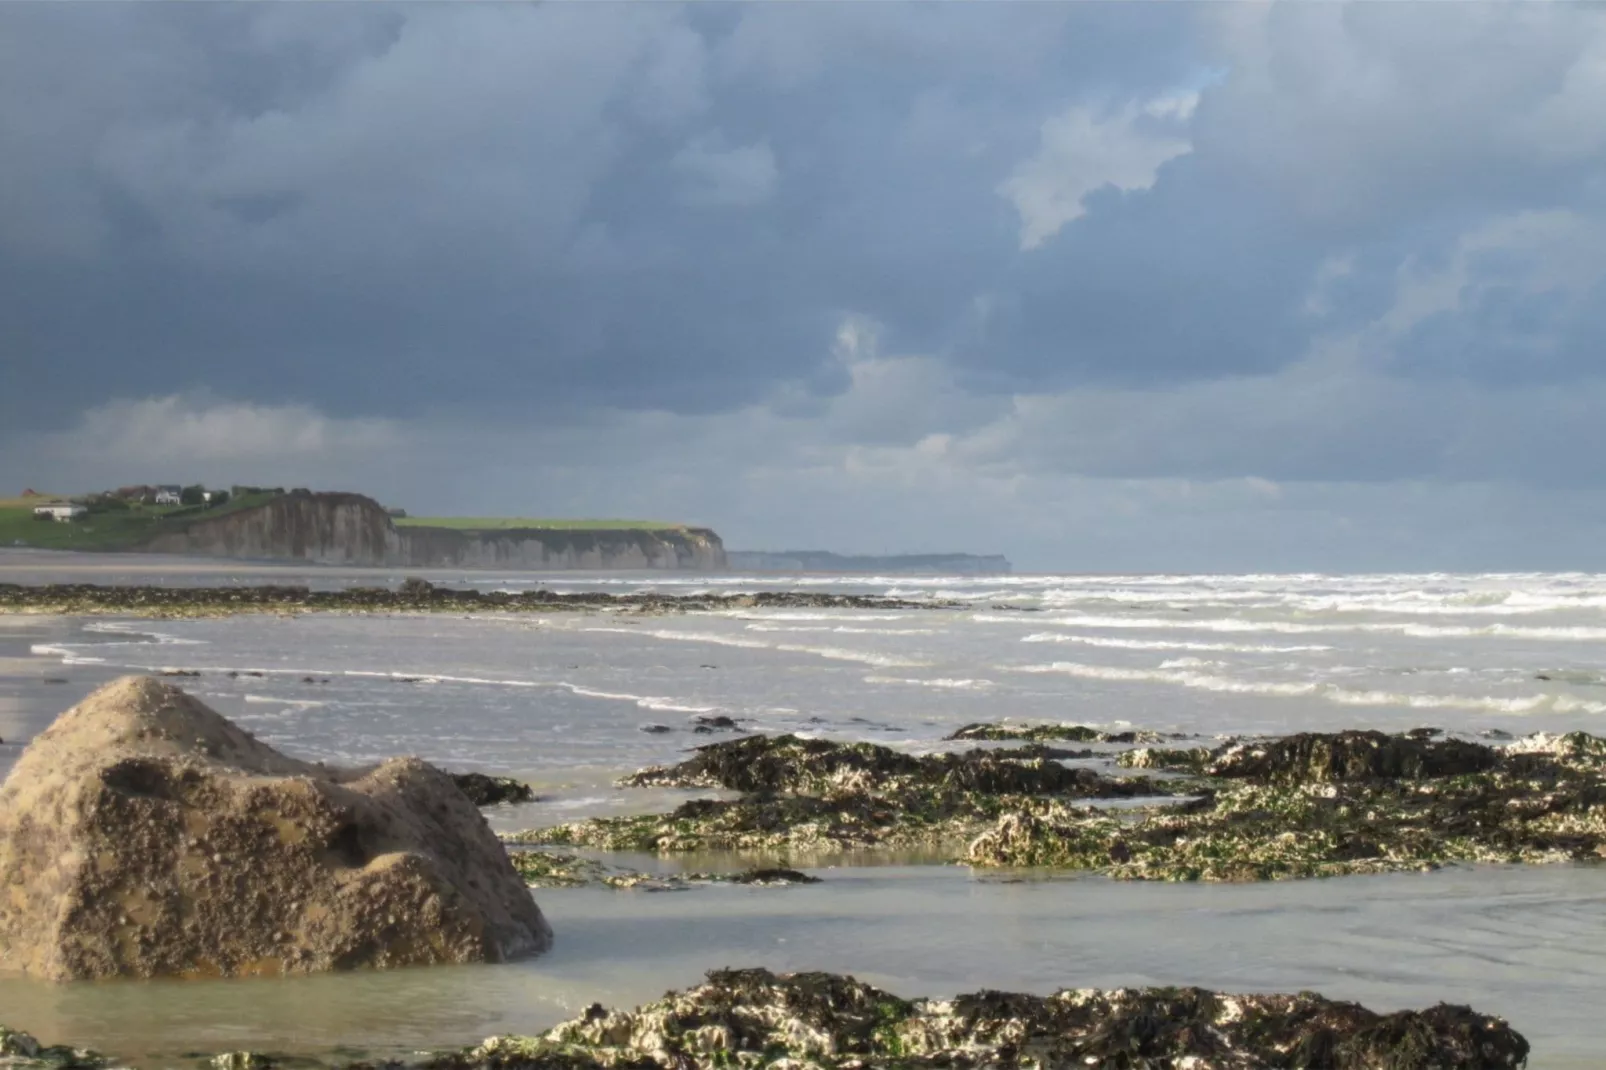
(570, 701)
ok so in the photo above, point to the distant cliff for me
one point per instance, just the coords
(825, 561)
(350, 529)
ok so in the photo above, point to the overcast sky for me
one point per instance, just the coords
(1097, 286)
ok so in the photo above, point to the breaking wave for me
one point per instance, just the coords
(1191, 677)
(1171, 644)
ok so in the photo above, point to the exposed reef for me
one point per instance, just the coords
(748, 1019)
(754, 1018)
(819, 796)
(414, 595)
(1326, 804)
(1308, 805)
(549, 869)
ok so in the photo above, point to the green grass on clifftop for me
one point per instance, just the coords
(504, 523)
(116, 530)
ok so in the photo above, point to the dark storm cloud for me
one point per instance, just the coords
(383, 209)
(514, 215)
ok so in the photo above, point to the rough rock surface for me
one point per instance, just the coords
(795, 765)
(548, 869)
(1328, 804)
(143, 834)
(1352, 755)
(754, 1018)
(1072, 733)
(819, 796)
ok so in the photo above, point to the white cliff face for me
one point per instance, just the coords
(587, 550)
(349, 529)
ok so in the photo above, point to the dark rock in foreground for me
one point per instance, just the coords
(485, 790)
(754, 1018)
(142, 834)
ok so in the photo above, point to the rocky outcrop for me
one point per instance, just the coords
(350, 529)
(752, 1018)
(815, 797)
(143, 834)
(755, 1018)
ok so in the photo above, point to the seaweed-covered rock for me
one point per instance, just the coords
(23, 1052)
(1071, 733)
(789, 823)
(549, 869)
(143, 834)
(820, 796)
(824, 767)
(485, 790)
(1174, 759)
(1542, 812)
(754, 1018)
(1352, 755)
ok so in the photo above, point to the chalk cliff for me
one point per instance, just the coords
(350, 529)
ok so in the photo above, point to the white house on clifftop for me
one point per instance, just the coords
(63, 511)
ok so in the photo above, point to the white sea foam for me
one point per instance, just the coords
(68, 655)
(1171, 644)
(646, 702)
(834, 653)
(1565, 633)
(298, 703)
(839, 629)
(1205, 681)
(850, 614)
(689, 637)
(942, 682)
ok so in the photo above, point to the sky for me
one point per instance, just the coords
(1098, 286)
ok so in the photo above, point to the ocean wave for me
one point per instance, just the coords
(1204, 681)
(748, 614)
(68, 655)
(834, 653)
(839, 629)
(1172, 644)
(1566, 633)
(646, 702)
(689, 637)
(298, 703)
(942, 682)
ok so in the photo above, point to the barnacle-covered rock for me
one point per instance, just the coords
(757, 1019)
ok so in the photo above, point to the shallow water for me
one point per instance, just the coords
(561, 700)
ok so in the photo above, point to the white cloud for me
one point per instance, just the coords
(1082, 150)
(135, 436)
(711, 174)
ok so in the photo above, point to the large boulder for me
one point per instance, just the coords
(143, 834)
